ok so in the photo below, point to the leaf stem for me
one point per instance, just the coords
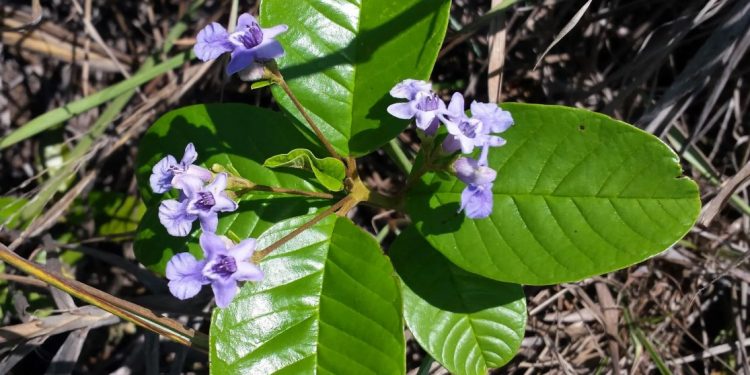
(241, 185)
(279, 79)
(126, 310)
(281, 190)
(331, 210)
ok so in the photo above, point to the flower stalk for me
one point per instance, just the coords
(278, 78)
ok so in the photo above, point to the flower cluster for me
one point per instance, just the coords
(201, 198)
(250, 46)
(465, 133)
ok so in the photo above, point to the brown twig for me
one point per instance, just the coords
(279, 79)
(331, 210)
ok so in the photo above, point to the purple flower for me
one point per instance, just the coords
(476, 198)
(495, 120)
(197, 202)
(423, 104)
(465, 133)
(223, 266)
(167, 170)
(476, 201)
(248, 44)
(409, 88)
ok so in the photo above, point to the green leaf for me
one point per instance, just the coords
(260, 84)
(10, 208)
(239, 137)
(466, 322)
(115, 213)
(329, 304)
(329, 171)
(577, 194)
(342, 59)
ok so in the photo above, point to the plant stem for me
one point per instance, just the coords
(393, 149)
(279, 79)
(262, 254)
(126, 310)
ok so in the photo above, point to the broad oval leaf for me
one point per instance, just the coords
(329, 304)
(329, 171)
(577, 194)
(239, 137)
(466, 322)
(343, 57)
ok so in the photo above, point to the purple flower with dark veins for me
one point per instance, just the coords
(250, 45)
(224, 264)
(197, 202)
(167, 170)
(465, 133)
(495, 120)
(423, 104)
(476, 198)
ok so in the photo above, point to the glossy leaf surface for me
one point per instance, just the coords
(329, 304)
(239, 137)
(466, 322)
(577, 194)
(343, 57)
(330, 172)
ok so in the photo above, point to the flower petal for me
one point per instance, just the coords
(268, 50)
(218, 185)
(408, 89)
(212, 245)
(209, 221)
(224, 290)
(200, 172)
(451, 144)
(252, 73)
(246, 20)
(241, 59)
(272, 32)
(188, 183)
(495, 141)
(403, 111)
(211, 42)
(465, 168)
(456, 105)
(184, 274)
(495, 119)
(174, 217)
(161, 175)
(426, 119)
(247, 271)
(476, 201)
(190, 155)
(223, 203)
(243, 250)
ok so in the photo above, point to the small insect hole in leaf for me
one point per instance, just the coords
(581, 127)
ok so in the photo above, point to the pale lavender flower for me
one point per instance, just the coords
(423, 104)
(167, 170)
(409, 88)
(198, 202)
(476, 201)
(495, 119)
(476, 198)
(250, 45)
(465, 133)
(224, 264)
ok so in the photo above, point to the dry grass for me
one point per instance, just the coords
(678, 69)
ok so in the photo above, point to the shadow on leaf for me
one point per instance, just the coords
(442, 284)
